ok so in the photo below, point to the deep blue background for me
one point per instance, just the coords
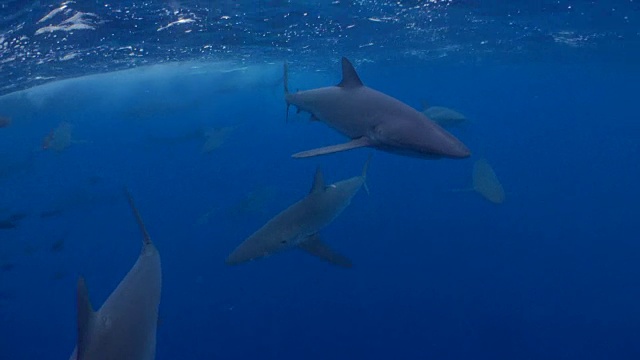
(551, 273)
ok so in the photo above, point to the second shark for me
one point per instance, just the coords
(299, 224)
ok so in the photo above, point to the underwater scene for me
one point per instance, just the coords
(413, 179)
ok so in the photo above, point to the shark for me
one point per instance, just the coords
(371, 118)
(298, 225)
(124, 328)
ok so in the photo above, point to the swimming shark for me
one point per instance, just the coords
(124, 328)
(372, 119)
(299, 224)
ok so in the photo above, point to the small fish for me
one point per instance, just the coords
(486, 183)
(443, 116)
(5, 121)
(59, 275)
(60, 138)
(7, 224)
(57, 246)
(214, 138)
(48, 140)
(12, 221)
(6, 267)
(51, 213)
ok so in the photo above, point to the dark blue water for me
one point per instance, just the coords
(550, 91)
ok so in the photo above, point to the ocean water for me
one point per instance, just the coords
(182, 102)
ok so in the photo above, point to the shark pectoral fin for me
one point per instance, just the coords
(85, 316)
(314, 246)
(355, 143)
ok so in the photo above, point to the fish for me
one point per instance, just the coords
(372, 119)
(253, 202)
(486, 183)
(60, 138)
(443, 116)
(214, 138)
(12, 221)
(7, 224)
(57, 246)
(298, 226)
(124, 327)
(5, 121)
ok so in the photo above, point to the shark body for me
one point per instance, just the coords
(299, 224)
(371, 118)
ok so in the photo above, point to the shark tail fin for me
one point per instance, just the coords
(365, 169)
(285, 79)
(146, 238)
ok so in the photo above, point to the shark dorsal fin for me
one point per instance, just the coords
(85, 316)
(350, 78)
(318, 182)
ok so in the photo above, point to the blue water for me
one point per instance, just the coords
(550, 90)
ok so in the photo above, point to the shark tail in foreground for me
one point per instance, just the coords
(132, 310)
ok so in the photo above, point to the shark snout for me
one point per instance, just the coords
(456, 150)
(238, 256)
(441, 142)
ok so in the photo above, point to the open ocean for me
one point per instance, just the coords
(182, 102)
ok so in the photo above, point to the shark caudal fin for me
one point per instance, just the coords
(286, 87)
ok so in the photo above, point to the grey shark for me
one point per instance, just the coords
(299, 224)
(124, 328)
(374, 119)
